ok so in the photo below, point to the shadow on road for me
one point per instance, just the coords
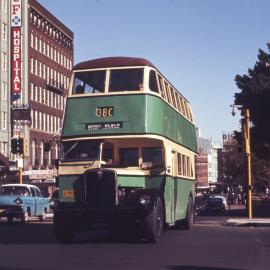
(35, 232)
(190, 267)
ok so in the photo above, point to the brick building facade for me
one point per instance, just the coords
(35, 73)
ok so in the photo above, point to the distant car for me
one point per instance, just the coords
(22, 201)
(216, 203)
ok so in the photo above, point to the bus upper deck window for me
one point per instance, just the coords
(89, 82)
(126, 80)
(153, 84)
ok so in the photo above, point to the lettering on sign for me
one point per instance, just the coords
(16, 22)
(104, 125)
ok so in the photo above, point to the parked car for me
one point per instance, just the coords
(217, 203)
(22, 201)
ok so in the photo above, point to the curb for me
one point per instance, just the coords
(245, 222)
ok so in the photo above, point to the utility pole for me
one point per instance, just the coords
(248, 161)
(246, 132)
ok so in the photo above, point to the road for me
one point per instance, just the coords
(209, 246)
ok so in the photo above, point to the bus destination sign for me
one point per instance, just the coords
(104, 111)
(104, 125)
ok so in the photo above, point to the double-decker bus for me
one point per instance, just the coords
(128, 151)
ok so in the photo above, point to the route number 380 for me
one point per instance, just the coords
(104, 111)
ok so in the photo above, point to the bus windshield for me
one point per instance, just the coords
(89, 82)
(81, 150)
(126, 80)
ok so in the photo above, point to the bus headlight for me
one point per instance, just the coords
(145, 199)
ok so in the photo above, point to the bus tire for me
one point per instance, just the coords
(64, 231)
(154, 222)
(189, 220)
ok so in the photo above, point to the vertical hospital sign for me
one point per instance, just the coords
(16, 23)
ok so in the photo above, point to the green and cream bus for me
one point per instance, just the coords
(128, 151)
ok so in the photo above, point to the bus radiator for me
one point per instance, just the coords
(100, 188)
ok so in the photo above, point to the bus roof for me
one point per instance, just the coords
(108, 62)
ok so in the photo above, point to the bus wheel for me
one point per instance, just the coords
(64, 231)
(154, 222)
(189, 220)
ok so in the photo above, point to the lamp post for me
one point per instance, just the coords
(246, 132)
(248, 160)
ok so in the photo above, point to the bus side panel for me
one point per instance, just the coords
(164, 120)
(183, 188)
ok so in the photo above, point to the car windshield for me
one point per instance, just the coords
(14, 190)
(81, 150)
(214, 200)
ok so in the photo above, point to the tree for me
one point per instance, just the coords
(255, 95)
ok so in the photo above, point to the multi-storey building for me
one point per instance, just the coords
(4, 84)
(39, 57)
(206, 162)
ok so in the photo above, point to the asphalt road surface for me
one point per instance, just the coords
(209, 246)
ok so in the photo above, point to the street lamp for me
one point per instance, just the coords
(246, 132)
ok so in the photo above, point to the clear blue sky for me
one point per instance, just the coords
(199, 45)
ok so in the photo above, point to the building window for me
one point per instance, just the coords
(4, 91)
(4, 121)
(48, 123)
(4, 5)
(4, 31)
(36, 120)
(42, 153)
(32, 65)
(49, 158)
(32, 40)
(33, 151)
(44, 121)
(40, 69)
(40, 94)
(4, 61)
(40, 121)
(36, 67)
(32, 91)
(51, 124)
(36, 42)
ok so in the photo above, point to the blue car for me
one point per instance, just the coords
(22, 201)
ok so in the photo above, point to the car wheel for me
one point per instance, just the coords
(43, 216)
(154, 222)
(9, 219)
(25, 217)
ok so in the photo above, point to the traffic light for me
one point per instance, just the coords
(17, 145)
(21, 146)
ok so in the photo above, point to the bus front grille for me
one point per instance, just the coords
(100, 188)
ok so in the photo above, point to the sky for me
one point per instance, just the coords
(198, 45)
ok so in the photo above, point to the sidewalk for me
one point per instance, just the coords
(260, 215)
(246, 222)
